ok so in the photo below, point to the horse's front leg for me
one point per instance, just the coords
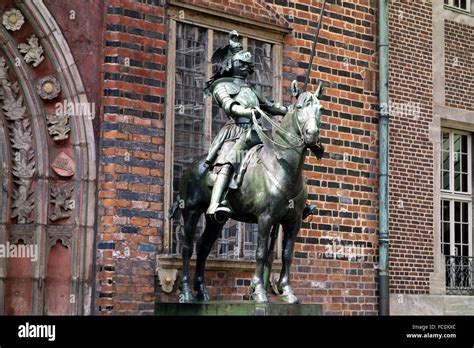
(259, 294)
(290, 231)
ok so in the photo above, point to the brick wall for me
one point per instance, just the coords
(459, 65)
(411, 151)
(131, 156)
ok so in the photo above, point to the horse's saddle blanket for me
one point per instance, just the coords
(238, 176)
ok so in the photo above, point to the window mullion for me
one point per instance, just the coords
(451, 227)
(170, 107)
(208, 102)
(469, 164)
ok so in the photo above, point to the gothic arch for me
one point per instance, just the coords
(63, 186)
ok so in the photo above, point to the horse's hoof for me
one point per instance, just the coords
(259, 294)
(288, 296)
(203, 296)
(185, 297)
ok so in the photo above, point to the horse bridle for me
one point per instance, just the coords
(300, 140)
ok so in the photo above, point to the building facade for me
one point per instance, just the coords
(102, 110)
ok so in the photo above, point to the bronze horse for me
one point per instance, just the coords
(272, 193)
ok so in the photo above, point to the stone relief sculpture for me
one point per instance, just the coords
(23, 167)
(13, 19)
(58, 126)
(62, 202)
(48, 88)
(33, 52)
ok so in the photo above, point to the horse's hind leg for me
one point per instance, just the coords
(204, 246)
(290, 231)
(190, 218)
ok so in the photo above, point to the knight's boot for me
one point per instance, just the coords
(309, 210)
(217, 211)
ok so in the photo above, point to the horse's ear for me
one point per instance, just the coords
(295, 91)
(319, 91)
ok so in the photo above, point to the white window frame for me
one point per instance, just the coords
(451, 5)
(453, 196)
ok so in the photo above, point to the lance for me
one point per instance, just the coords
(313, 51)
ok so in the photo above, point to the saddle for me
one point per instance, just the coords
(238, 176)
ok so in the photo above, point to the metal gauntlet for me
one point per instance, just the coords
(274, 108)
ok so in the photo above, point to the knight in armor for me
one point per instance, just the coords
(230, 90)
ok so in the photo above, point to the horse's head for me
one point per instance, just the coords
(307, 115)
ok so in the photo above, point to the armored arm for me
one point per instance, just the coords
(270, 107)
(229, 104)
(273, 108)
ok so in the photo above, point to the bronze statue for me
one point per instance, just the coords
(249, 175)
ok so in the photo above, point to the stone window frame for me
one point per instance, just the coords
(213, 21)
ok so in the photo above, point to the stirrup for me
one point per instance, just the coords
(219, 213)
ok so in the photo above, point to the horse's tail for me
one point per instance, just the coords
(175, 207)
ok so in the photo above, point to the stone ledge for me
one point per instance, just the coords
(238, 308)
(173, 262)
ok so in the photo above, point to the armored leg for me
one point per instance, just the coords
(218, 212)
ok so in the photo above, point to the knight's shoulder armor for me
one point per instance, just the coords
(227, 85)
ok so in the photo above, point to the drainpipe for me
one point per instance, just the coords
(384, 291)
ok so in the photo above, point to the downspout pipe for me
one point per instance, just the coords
(383, 279)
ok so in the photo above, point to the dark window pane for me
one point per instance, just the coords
(465, 234)
(457, 233)
(445, 207)
(446, 233)
(446, 180)
(464, 144)
(446, 249)
(457, 211)
(464, 163)
(465, 212)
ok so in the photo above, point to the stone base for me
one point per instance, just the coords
(245, 308)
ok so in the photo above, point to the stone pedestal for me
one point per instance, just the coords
(245, 308)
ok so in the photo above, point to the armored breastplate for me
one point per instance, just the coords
(247, 97)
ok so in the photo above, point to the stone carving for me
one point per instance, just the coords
(63, 165)
(17, 234)
(58, 125)
(32, 50)
(48, 88)
(64, 235)
(167, 279)
(23, 167)
(13, 19)
(62, 202)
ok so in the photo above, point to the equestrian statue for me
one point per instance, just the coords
(249, 175)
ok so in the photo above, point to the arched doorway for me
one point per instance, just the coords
(48, 177)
